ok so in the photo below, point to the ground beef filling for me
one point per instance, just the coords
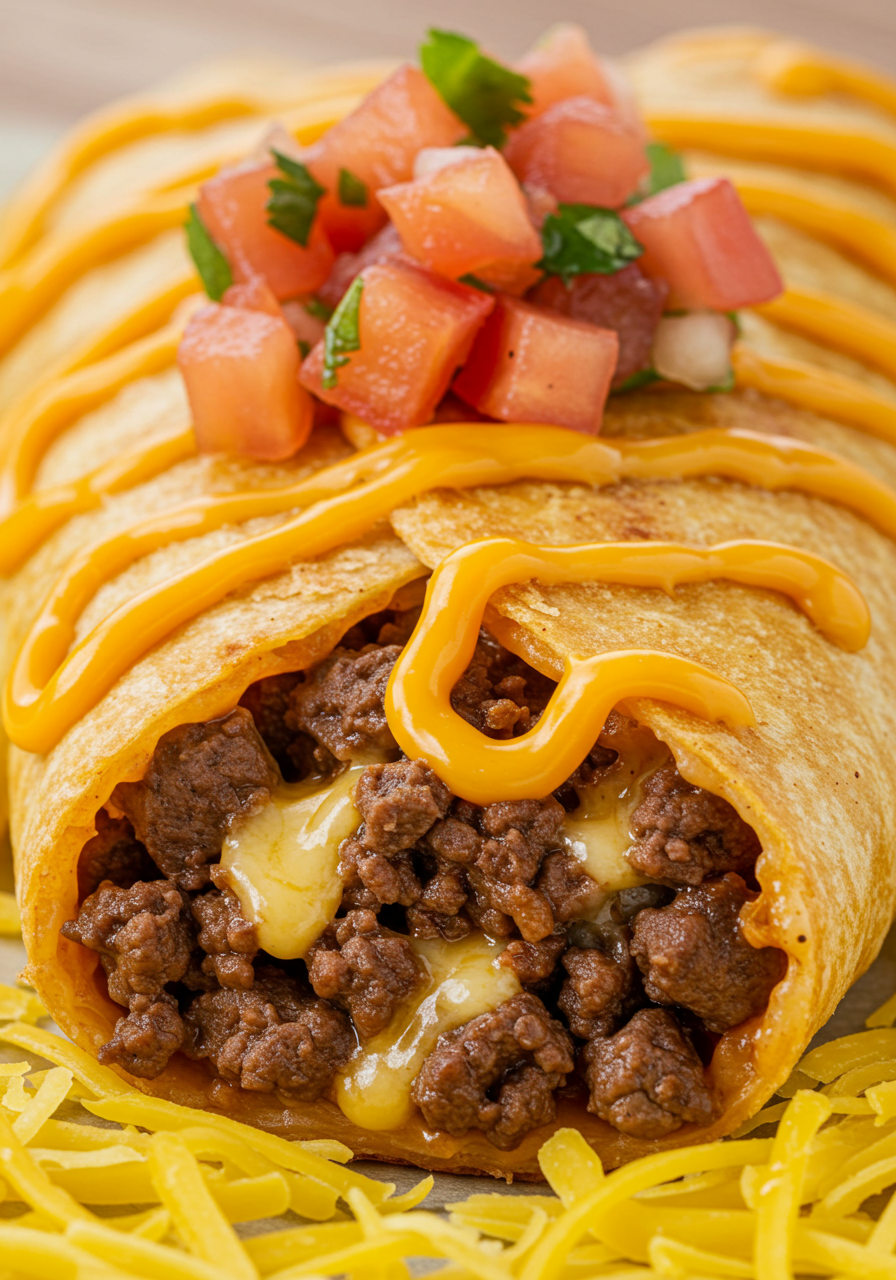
(610, 985)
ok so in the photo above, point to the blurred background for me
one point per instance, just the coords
(61, 58)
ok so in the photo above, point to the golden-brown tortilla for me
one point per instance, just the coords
(813, 778)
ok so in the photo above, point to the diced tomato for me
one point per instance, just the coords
(240, 368)
(232, 206)
(529, 365)
(468, 218)
(377, 143)
(581, 151)
(255, 294)
(415, 329)
(306, 328)
(698, 236)
(563, 65)
(384, 246)
(627, 301)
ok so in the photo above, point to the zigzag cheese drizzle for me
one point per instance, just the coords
(48, 691)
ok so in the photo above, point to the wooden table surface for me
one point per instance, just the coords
(60, 58)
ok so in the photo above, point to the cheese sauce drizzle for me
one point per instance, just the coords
(482, 770)
(50, 688)
(48, 692)
(865, 335)
(833, 219)
(806, 146)
(123, 123)
(787, 66)
(51, 409)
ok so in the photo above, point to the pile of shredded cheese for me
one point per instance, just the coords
(80, 1150)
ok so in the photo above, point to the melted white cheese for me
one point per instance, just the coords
(282, 860)
(598, 833)
(464, 980)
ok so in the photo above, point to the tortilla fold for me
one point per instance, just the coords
(813, 778)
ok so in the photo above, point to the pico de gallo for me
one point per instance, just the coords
(501, 242)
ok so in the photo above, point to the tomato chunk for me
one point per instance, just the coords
(581, 151)
(255, 294)
(698, 236)
(377, 144)
(232, 206)
(529, 365)
(384, 246)
(415, 329)
(240, 368)
(627, 301)
(468, 218)
(563, 65)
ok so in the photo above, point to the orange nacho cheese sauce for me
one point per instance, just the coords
(57, 679)
(48, 692)
(484, 770)
(50, 688)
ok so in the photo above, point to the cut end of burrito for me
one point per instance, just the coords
(286, 917)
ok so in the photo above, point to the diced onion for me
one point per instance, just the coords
(694, 349)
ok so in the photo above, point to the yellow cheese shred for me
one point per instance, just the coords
(167, 1192)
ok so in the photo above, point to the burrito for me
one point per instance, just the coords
(446, 666)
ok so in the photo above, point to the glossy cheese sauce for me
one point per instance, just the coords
(788, 66)
(598, 833)
(282, 861)
(865, 335)
(463, 980)
(50, 689)
(484, 770)
(805, 146)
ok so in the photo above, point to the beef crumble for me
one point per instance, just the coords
(684, 833)
(272, 1036)
(364, 968)
(498, 1073)
(200, 777)
(184, 963)
(647, 1079)
(693, 953)
(114, 854)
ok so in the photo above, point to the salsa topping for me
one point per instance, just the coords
(506, 237)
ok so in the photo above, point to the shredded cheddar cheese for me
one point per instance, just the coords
(766, 1207)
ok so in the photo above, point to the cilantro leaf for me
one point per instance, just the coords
(482, 92)
(294, 198)
(642, 378)
(342, 334)
(475, 283)
(666, 170)
(352, 191)
(213, 267)
(584, 239)
(318, 309)
(304, 348)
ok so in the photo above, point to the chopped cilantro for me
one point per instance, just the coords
(342, 334)
(583, 239)
(294, 198)
(475, 283)
(213, 267)
(352, 191)
(318, 309)
(642, 378)
(304, 348)
(666, 168)
(482, 92)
